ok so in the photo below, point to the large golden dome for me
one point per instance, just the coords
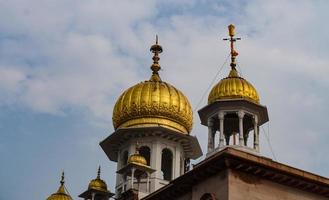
(98, 183)
(233, 87)
(60, 194)
(153, 103)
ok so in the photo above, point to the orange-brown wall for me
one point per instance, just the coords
(244, 186)
(216, 184)
(235, 185)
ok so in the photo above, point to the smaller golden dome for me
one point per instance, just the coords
(137, 159)
(60, 194)
(98, 183)
(233, 87)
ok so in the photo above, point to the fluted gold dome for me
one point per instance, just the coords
(153, 103)
(137, 159)
(98, 183)
(233, 87)
(60, 194)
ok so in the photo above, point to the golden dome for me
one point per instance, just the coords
(98, 183)
(153, 103)
(233, 87)
(60, 194)
(137, 159)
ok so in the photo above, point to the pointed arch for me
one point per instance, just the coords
(208, 196)
(145, 151)
(167, 164)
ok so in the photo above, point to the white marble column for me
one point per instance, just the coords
(156, 159)
(221, 116)
(132, 148)
(132, 177)
(156, 153)
(148, 183)
(210, 135)
(256, 139)
(125, 183)
(92, 196)
(177, 162)
(241, 115)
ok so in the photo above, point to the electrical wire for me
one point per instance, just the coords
(240, 69)
(211, 83)
(268, 140)
(67, 191)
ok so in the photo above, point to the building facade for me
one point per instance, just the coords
(152, 145)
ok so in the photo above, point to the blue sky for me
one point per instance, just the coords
(64, 63)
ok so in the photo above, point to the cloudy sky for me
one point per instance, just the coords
(64, 63)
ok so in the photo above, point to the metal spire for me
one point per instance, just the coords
(62, 179)
(155, 67)
(61, 189)
(99, 172)
(232, 39)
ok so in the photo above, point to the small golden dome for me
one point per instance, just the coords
(137, 159)
(98, 183)
(60, 194)
(233, 87)
(153, 103)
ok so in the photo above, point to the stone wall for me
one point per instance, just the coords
(243, 186)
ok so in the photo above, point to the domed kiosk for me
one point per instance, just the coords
(234, 110)
(159, 117)
(97, 189)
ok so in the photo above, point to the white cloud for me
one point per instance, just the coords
(56, 54)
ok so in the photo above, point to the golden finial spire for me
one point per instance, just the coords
(62, 179)
(61, 188)
(99, 172)
(155, 67)
(232, 39)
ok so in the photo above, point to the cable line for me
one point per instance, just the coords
(211, 83)
(268, 140)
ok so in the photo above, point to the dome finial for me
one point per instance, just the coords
(62, 179)
(61, 192)
(155, 67)
(232, 39)
(61, 188)
(99, 172)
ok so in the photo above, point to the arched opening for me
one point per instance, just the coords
(124, 158)
(208, 196)
(166, 164)
(248, 125)
(145, 151)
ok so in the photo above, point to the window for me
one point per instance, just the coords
(208, 196)
(166, 164)
(145, 151)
